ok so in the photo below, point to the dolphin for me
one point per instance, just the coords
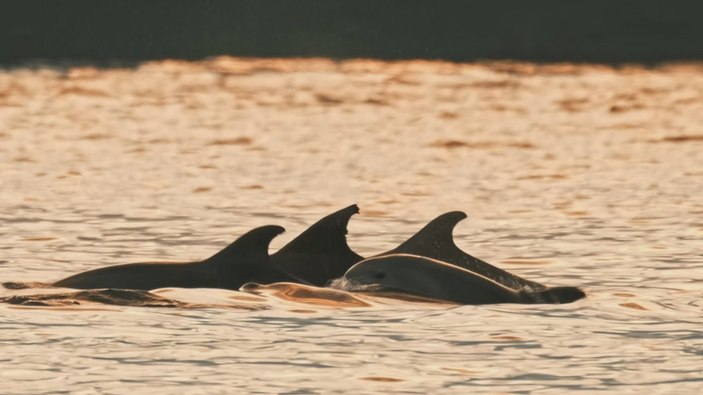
(244, 260)
(434, 279)
(435, 241)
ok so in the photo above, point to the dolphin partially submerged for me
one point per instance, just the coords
(435, 241)
(321, 254)
(246, 259)
(434, 279)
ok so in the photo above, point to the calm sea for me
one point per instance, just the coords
(571, 175)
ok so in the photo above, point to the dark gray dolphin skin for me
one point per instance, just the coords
(430, 278)
(321, 252)
(435, 241)
(245, 260)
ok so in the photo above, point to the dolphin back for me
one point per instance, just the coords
(430, 278)
(434, 279)
(244, 260)
(142, 276)
(247, 260)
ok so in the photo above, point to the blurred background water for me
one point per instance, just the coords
(571, 175)
(538, 30)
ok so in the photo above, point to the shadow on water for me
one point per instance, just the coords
(307, 294)
(251, 297)
(119, 297)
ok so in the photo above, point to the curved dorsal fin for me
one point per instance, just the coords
(249, 248)
(254, 243)
(321, 252)
(435, 241)
(247, 260)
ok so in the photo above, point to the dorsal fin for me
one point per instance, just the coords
(249, 248)
(247, 259)
(435, 241)
(321, 253)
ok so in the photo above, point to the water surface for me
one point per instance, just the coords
(571, 175)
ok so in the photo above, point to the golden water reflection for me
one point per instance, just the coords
(584, 175)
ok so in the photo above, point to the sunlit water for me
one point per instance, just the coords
(571, 175)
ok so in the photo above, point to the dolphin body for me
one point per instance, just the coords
(246, 259)
(430, 278)
(435, 241)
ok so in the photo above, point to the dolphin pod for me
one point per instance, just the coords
(321, 254)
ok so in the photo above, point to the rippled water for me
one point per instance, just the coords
(571, 175)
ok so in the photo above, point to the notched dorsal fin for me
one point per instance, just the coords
(328, 234)
(321, 252)
(249, 247)
(435, 241)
